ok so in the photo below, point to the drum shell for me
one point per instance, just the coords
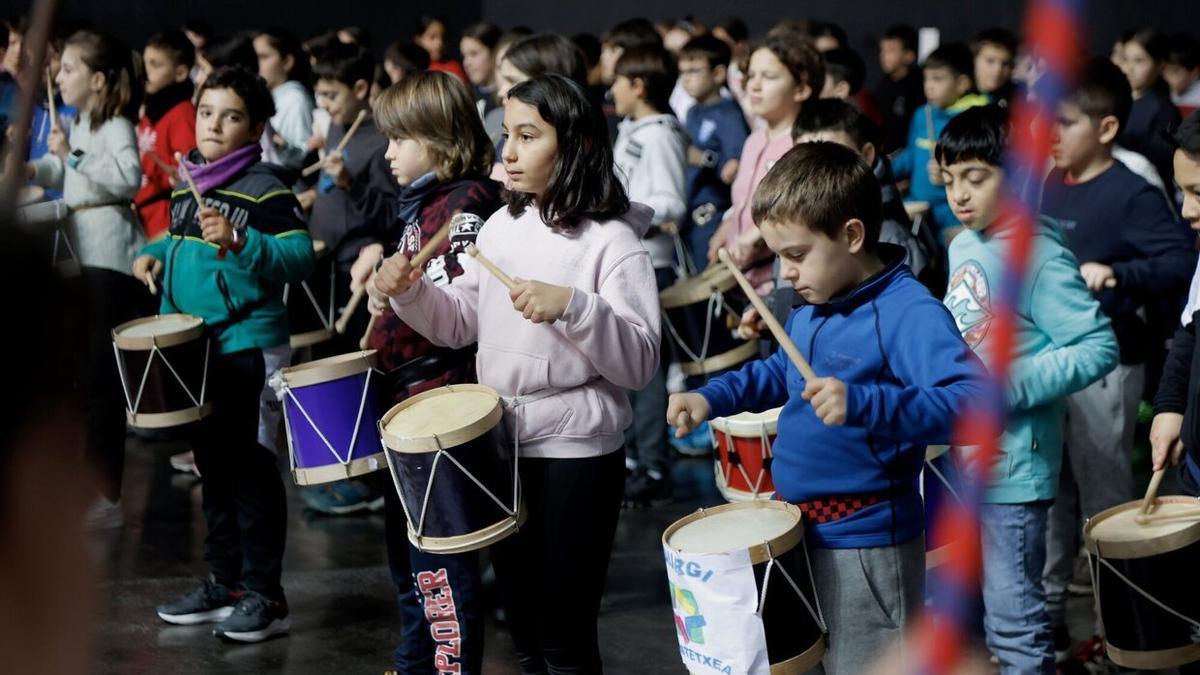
(754, 458)
(937, 497)
(692, 320)
(309, 324)
(164, 402)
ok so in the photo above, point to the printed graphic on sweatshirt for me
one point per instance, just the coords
(438, 601)
(968, 299)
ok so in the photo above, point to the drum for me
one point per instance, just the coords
(454, 471)
(1142, 577)
(329, 406)
(702, 315)
(938, 488)
(163, 364)
(742, 590)
(311, 304)
(743, 447)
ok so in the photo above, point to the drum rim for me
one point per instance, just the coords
(802, 662)
(335, 471)
(172, 339)
(433, 443)
(169, 418)
(759, 553)
(1125, 550)
(721, 361)
(693, 289)
(329, 369)
(1152, 659)
(471, 541)
(747, 428)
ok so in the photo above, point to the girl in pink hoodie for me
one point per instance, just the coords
(580, 327)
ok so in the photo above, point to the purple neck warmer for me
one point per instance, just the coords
(213, 174)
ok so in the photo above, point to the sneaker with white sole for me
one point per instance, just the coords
(207, 603)
(103, 514)
(255, 618)
(185, 462)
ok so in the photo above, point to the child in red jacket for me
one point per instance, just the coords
(167, 125)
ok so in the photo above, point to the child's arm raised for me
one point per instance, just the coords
(447, 316)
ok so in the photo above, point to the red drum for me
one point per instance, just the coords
(743, 445)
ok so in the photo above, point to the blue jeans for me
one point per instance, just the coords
(1014, 600)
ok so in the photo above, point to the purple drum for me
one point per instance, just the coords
(939, 488)
(330, 407)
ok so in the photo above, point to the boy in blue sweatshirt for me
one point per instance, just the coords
(227, 263)
(852, 442)
(948, 86)
(1063, 343)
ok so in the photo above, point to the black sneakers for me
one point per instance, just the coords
(208, 602)
(642, 489)
(254, 619)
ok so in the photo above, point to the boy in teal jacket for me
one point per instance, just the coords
(227, 263)
(1063, 343)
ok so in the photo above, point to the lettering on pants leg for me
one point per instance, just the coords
(438, 599)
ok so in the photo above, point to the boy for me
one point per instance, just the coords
(1182, 72)
(1132, 250)
(167, 126)
(649, 157)
(227, 263)
(851, 443)
(845, 73)
(947, 88)
(899, 91)
(718, 131)
(613, 43)
(995, 51)
(1063, 343)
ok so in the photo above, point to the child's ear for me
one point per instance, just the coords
(868, 153)
(720, 73)
(289, 62)
(97, 81)
(639, 87)
(256, 131)
(964, 84)
(856, 235)
(842, 90)
(361, 89)
(182, 73)
(1108, 129)
(803, 92)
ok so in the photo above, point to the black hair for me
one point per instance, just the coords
(231, 51)
(632, 33)
(656, 68)
(1184, 50)
(583, 184)
(979, 133)
(954, 56)
(358, 34)
(200, 27)
(548, 53)
(1001, 37)
(903, 33)
(590, 46)
(486, 34)
(427, 20)
(1187, 136)
(845, 65)
(834, 114)
(407, 56)
(287, 44)
(1156, 44)
(828, 29)
(345, 63)
(714, 51)
(735, 28)
(1102, 91)
(176, 46)
(251, 88)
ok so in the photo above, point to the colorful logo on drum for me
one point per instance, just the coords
(688, 619)
(968, 300)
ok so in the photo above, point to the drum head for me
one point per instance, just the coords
(733, 527)
(30, 194)
(164, 330)
(1116, 533)
(441, 418)
(748, 424)
(698, 288)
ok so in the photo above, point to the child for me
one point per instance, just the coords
(845, 73)
(1152, 113)
(255, 219)
(784, 73)
(431, 36)
(995, 51)
(98, 174)
(478, 48)
(1063, 343)
(440, 156)
(649, 157)
(41, 126)
(947, 89)
(572, 241)
(168, 125)
(224, 51)
(1132, 250)
(625, 35)
(718, 133)
(1182, 72)
(284, 66)
(851, 443)
(899, 92)
(404, 58)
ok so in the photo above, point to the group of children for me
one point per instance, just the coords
(626, 160)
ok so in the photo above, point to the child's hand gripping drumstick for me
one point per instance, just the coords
(399, 267)
(316, 166)
(187, 176)
(537, 301)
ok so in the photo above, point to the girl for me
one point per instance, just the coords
(478, 49)
(572, 241)
(781, 76)
(431, 36)
(493, 120)
(1143, 56)
(284, 66)
(440, 156)
(99, 172)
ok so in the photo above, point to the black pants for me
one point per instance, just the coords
(440, 599)
(244, 502)
(112, 298)
(552, 572)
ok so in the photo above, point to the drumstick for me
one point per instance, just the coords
(929, 128)
(167, 169)
(316, 166)
(417, 261)
(777, 330)
(365, 340)
(151, 285)
(50, 105)
(1143, 516)
(187, 175)
(491, 267)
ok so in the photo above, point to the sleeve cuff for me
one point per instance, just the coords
(577, 307)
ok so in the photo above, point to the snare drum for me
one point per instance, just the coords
(329, 406)
(1142, 577)
(454, 472)
(939, 481)
(742, 590)
(702, 315)
(311, 303)
(743, 445)
(163, 363)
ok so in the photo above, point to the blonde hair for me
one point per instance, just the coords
(436, 109)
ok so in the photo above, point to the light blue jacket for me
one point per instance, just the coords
(1063, 344)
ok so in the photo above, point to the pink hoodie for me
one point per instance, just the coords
(758, 156)
(607, 341)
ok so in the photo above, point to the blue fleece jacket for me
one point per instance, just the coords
(908, 377)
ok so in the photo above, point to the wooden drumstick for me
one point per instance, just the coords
(50, 105)
(777, 330)
(316, 166)
(187, 175)
(365, 340)
(491, 267)
(1143, 516)
(151, 285)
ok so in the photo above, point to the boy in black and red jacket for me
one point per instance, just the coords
(167, 126)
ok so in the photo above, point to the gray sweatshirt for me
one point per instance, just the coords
(650, 158)
(107, 172)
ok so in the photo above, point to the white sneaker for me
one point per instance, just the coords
(185, 462)
(103, 515)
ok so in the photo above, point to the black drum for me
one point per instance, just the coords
(1142, 575)
(453, 469)
(311, 303)
(702, 313)
(163, 363)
